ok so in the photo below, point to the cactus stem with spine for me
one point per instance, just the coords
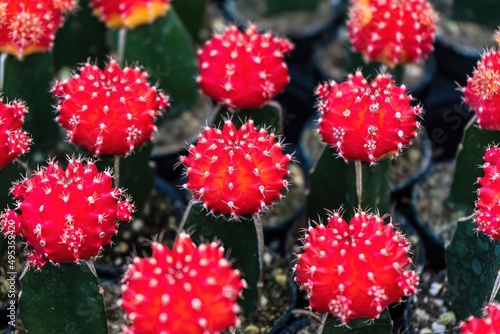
(185, 216)
(3, 56)
(359, 180)
(116, 168)
(323, 323)
(122, 34)
(260, 244)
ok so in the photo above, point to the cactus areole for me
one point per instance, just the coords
(66, 215)
(488, 203)
(28, 26)
(236, 171)
(482, 92)
(188, 289)
(393, 32)
(129, 13)
(13, 140)
(366, 120)
(354, 270)
(490, 323)
(110, 111)
(243, 69)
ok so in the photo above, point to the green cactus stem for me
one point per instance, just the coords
(333, 185)
(239, 239)
(463, 190)
(269, 115)
(165, 50)
(192, 14)
(62, 299)
(30, 80)
(85, 28)
(382, 325)
(473, 261)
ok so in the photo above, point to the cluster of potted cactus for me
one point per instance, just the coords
(66, 201)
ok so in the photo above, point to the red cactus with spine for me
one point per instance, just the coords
(13, 140)
(366, 120)
(110, 111)
(66, 215)
(236, 171)
(393, 32)
(129, 13)
(188, 289)
(243, 69)
(482, 92)
(490, 323)
(488, 203)
(354, 270)
(28, 26)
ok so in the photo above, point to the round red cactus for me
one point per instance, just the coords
(129, 13)
(490, 323)
(488, 204)
(354, 270)
(482, 92)
(28, 26)
(392, 31)
(13, 140)
(187, 289)
(110, 111)
(243, 69)
(66, 215)
(366, 121)
(236, 171)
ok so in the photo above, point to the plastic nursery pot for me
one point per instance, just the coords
(445, 117)
(411, 166)
(418, 256)
(161, 214)
(287, 214)
(174, 136)
(407, 169)
(431, 215)
(279, 297)
(301, 21)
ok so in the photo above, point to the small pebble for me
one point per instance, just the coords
(426, 331)
(447, 318)
(438, 328)
(435, 288)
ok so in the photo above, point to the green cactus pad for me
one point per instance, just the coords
(382, 325)
(239, 239)
(9, 174)
(62, 299)
(192, 14)
(463, 191)
(136, 174)
(164, 49)
(483, 12)
(269, 115)
(85, 28)
(473, 260)
(30, 80)
(333, 185)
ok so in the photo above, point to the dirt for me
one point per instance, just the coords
(292, 201)
(427, 312)
(176, 134)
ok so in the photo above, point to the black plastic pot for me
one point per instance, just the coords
(276, 234)
(310, 34)
(403, 189)
(433, 244)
